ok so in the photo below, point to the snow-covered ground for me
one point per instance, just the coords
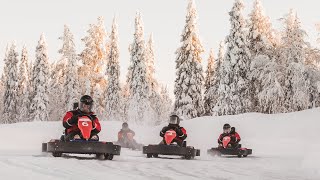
(285, 146)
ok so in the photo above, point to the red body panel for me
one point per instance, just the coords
(169, 136)
(130, 135)
(85, 126)
(74, 128)
(226, 141)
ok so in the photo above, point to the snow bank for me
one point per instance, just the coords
(285, 146)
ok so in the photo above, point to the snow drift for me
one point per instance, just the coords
(285, 146)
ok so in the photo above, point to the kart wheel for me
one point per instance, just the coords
(188, 157)
(218, 154)
(149, 155)
(155, 155)
(239, 155)
(108, 156)
(56, 154)
(100, 156)
(245, 155)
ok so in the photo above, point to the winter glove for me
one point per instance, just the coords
(178, 131)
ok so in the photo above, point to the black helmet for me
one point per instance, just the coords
(125, 125)
(174, 119)
(226, 126)
(87, 100)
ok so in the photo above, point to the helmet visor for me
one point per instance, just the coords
(173, 120)
(226, 130)
(86, 107)
(87, 101)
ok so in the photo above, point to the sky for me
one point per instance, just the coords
(23, 21)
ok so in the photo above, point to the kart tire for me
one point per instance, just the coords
(56, 154)
(149, 155)
(108, 156)
(155, 155)
(100, 156)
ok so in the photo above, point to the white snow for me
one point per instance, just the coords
(285, 146)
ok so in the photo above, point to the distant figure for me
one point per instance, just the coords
(125, 138)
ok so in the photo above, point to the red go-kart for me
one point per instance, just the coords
(103, 150)
(169, 148)
(227, 148)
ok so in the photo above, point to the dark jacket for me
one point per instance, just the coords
(181, 132)
(74, 127)
(122, 134)
(235, 137)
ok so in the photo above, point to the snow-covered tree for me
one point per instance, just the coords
(71, 87)
(10, 98)
(93, 57)
(139, 106)
(154, 94)
(113, 91)
(260, 33)
(23, 86)
(189, 74)
(150, 58)
(261, 42)
(233, 91)
(209, 80)
(3, 80)
(271, 76)
(40, 100)
(99, 109)
(124, 101)
(166, 107)
(56, 87)
(293, 57)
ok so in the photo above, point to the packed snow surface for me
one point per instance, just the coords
(285, 146)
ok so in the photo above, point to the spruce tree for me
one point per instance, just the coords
(113, 91)
(11, 85)
(40, 100)
(189, 74)
(234, 97)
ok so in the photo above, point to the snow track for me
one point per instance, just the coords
(280, 143)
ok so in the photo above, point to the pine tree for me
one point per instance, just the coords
(233, 90)
(71, 81)
(261, 42)
(113, 98)
(209, 80)
(271, 76)
(166, 105)
(98, 101)
(189, 74)
(139, 105)
(23, 86)
(11, 85)
(40, 100)
(3, 80)
(260, 33)
(56, 87)
(293, 54)
(93, 57)
(154, 94)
